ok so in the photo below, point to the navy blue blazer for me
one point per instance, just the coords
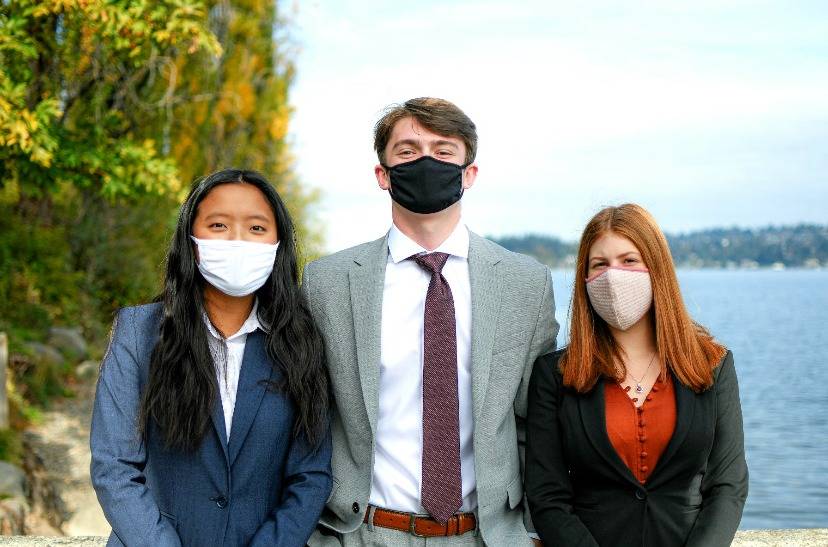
(263, 487)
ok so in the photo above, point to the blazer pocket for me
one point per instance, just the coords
(168, 515)
(514, 493)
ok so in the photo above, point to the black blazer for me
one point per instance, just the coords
(581, 494)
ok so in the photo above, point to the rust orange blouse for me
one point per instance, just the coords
(640, 435)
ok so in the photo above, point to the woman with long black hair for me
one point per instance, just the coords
(210, 424)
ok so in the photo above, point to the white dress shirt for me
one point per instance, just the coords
(228, 354)
(399, 442)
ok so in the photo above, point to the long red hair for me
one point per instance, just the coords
(687, 348)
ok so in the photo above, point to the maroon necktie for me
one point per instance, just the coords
(441, 483)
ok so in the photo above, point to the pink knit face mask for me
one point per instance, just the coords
(621, 296)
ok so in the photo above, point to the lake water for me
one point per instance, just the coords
(776, 324)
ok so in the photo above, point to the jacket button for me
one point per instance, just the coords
(355, 507)
(640, 494)
(221, 501)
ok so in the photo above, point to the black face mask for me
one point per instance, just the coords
(426, 185)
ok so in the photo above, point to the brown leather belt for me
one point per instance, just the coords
(422, 526)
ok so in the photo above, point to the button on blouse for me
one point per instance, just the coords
(640, 435)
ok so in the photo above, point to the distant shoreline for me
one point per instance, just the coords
(796, 268)
(772, 248)
(688, 268)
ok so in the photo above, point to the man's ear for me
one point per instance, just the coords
(469, 176)
(383, 180)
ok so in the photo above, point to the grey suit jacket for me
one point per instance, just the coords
(513, 322)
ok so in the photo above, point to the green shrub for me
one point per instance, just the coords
(11, 449)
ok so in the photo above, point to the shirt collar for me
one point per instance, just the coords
(250, 324)
(400, 246)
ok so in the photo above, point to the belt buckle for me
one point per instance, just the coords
(412, 528)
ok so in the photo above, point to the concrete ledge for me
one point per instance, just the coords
(36, 541)
(809, 537)
(814, 537)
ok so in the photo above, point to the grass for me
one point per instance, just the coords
(11, 448)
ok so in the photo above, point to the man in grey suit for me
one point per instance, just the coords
(431, 333)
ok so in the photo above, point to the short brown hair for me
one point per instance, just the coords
(689, 350)
(437, 115)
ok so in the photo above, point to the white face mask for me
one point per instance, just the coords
(235, 267)
(621, 296)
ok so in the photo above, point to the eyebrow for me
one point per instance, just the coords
(408, 142)
(216, 215)
(446, 143)
(257, 216)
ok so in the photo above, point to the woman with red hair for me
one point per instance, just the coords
(634, 433)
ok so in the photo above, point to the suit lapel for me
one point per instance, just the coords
(685, 410)
(367, 282)
(594, 418)
(255, 370)
(217, 417)
(486, 291)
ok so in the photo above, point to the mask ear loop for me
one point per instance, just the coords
(388, 175)
(463, 176)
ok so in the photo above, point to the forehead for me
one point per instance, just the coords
(235, 198)
(409, 129)
(610, 245)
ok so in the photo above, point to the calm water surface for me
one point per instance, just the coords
(776, 324)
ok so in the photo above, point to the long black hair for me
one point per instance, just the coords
(182, 385)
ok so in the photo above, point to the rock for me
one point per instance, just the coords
(13, 516)
(45, 486)
(12, 481)
(69, 341)
(87, 369)
(13, 504)
(43, 353)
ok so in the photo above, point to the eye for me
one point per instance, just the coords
(405, 153)
(258, 228)
(445, 153)
(217, 226)
(631, 260)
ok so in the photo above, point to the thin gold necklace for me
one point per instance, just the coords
(638, 387)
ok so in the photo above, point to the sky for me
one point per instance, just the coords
(708, 113)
